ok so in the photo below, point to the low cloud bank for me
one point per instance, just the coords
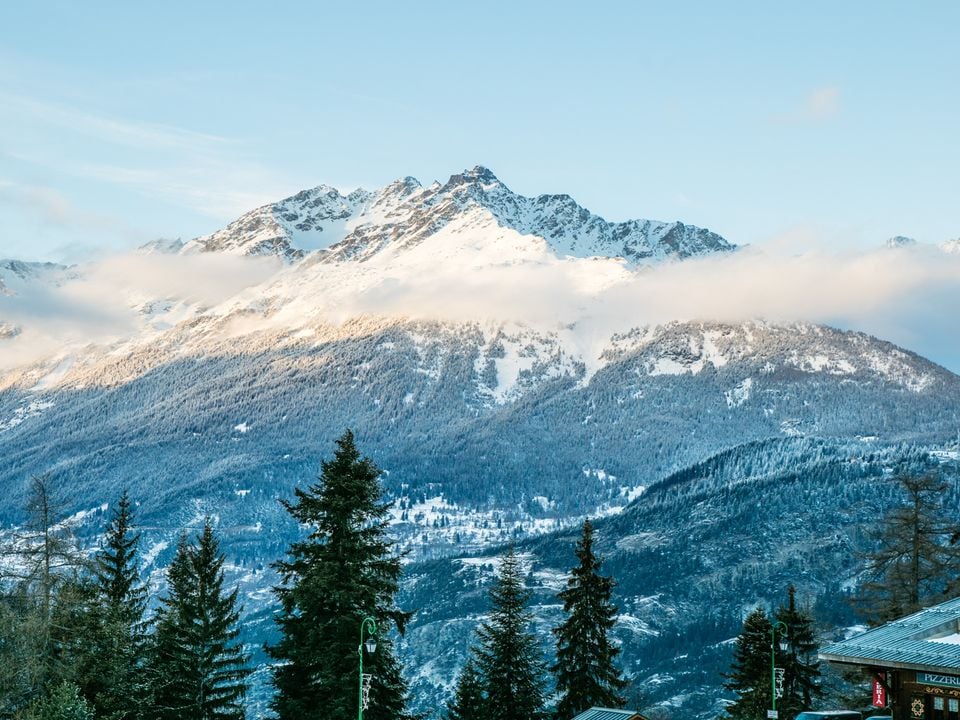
(910, 296)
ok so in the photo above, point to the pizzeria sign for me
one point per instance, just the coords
(942, 680)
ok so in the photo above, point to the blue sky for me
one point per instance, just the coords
(826, 123)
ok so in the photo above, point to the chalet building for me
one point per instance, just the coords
(609, 714)
(914, 662)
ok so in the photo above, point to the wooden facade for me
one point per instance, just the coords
(915, 659)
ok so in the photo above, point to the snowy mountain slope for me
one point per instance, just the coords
(361, 224)
(691, 556)
(496, 402)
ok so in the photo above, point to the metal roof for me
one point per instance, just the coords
(907, 643)
(608, 714)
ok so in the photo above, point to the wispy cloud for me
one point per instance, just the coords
(54, 209)
(820, 105)
(144, 135)
(205, 173)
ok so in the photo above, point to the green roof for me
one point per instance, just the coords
(928, 640)
(608, 714)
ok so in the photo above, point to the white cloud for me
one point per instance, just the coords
(103, 302)
(907, 296)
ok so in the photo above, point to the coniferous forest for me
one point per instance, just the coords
(84, 634)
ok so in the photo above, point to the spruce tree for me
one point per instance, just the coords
(509, 658)
(469, 699)
(801, 682)
(345, 570)
(110, 655)
(584, 669)
(63, 703)
(751, 669)
(199, 668)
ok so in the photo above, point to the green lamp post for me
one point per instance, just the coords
(780, 627)
(370, 627)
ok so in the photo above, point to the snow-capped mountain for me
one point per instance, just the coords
(361, 224)
(392, 312)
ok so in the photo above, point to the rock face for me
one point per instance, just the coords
(361, 224)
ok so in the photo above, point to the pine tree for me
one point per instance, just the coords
(199, 668)
(468, 699)
(917, 561)
(801, 682)
(585, 671)
(345, 570)
(508, 658)
(63, 703)
(750, 672)
(170, 667)
(109, 651)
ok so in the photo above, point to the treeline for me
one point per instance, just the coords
(77, 641)
(81, 637)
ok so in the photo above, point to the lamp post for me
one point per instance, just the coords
(370, 626)
(780, 626)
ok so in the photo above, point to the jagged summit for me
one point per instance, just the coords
(475, 203)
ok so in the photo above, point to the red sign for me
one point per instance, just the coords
(879, 691)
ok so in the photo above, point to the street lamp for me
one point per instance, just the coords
(784, 645)
(370, 626)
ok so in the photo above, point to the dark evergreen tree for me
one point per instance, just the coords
(801, 682)
(344, 571)
(750, 676)
(585, 672)
(108, 649)
(916, 562)
(469, 698)
(199, 669)
(509, 658)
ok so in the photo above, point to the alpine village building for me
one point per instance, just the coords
(914, 663)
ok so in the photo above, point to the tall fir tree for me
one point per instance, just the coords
(585, 671)
(469, 698)
(750, 676)
(109, 656)
(801, 682)
(199, 669)
(345, 570)
(509, 658)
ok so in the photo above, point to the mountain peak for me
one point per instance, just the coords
(474, 203)
(477, 175)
